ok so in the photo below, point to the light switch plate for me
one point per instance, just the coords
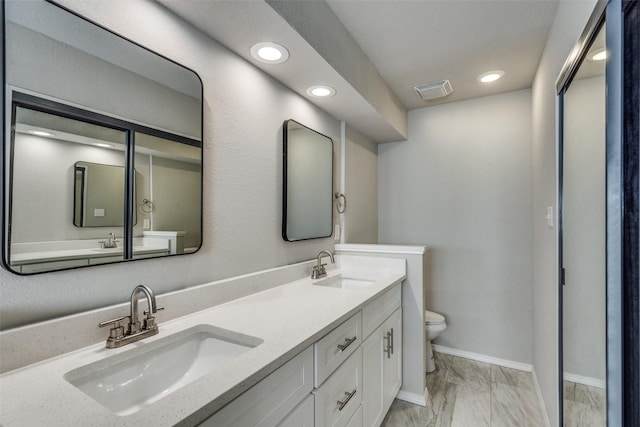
(549, 216)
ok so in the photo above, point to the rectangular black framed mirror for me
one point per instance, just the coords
(307, 208)
(87, 108)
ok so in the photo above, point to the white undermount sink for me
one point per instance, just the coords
(129, 381)
(345, 282)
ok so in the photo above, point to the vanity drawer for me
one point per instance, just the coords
(374, 313)
(336, 347)
(270, 401)
(302, 416)
(339, 398)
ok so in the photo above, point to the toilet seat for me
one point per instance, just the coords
(431, 318)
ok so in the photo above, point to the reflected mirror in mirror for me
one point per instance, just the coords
(583, 221)
(308, 183)
(99, 195)
(103, 101)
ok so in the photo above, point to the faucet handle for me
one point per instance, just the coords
(148, 313)
(150, 321)
(114, 321)
(117, 330)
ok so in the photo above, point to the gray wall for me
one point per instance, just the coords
(461, 185)
(72, 76)
(175, 192)
(361, 188)
(570, 20)
(242, 177)
(44, 182)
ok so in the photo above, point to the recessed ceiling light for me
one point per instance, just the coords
(598, 54)
(270, 52)
(103, 145)
(321, 91)
(490, 76)
(41, 133)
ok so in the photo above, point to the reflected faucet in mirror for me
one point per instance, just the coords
(318, 271)
(110, 243)
(135, 330)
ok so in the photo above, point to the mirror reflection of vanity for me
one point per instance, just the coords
(102, 146)
(308, 183)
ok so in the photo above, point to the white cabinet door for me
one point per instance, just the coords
(392, 371)
(372, 366)
(268, 403)
(382, 369)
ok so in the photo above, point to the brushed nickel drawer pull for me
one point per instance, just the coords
(388, 350)
(392, 341)
(343, 403)
(347, 343)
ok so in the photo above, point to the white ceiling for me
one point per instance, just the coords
(409, 42)
(416, 42)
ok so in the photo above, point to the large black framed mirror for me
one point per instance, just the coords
(102, 145)
(307, 207)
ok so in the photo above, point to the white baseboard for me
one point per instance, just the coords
(483, 358)
(593, 382)
(414, 398)
(543, 407)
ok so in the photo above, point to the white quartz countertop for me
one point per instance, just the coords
(287, 318)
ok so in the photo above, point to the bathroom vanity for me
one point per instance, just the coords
(313, 352)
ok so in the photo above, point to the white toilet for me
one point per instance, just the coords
(434, 324)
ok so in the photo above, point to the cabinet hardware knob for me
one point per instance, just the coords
(343, 403)
(347, 343)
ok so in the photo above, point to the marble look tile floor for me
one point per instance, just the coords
(584, 406)
(466, 393)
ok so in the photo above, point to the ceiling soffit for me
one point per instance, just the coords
(321, 52)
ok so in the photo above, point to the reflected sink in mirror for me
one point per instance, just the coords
(108, 250)
(132, 380)
(345, 282)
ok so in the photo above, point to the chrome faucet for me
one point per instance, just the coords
(134, 324)
(135, 330)
(318, 270)
(111, 242)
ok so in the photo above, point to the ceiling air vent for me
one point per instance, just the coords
(434, 90)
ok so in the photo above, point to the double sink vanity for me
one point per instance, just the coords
(324, 351)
